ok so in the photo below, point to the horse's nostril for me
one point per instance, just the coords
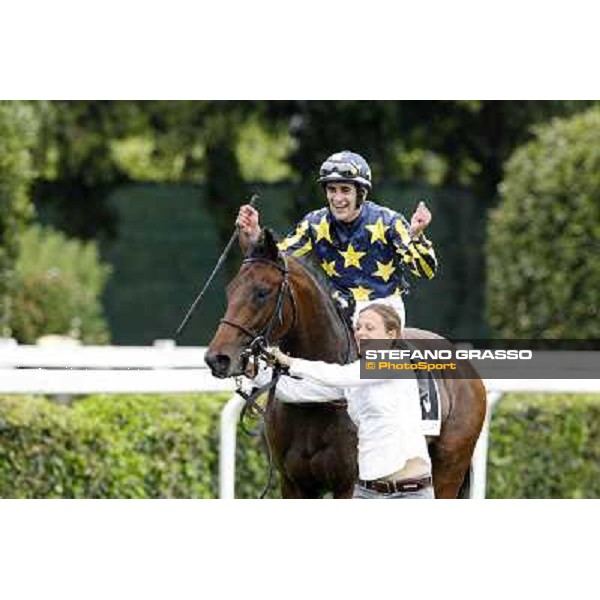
(219, 364)
(223, 361)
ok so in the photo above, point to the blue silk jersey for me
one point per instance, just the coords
(367, 258)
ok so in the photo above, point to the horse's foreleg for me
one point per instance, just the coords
(344, 494)
(289, 490)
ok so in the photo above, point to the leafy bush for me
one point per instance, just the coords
(129, 446)
(544, 235)
(545, 446)
(18, 135)
(58, 287)
(153, 446)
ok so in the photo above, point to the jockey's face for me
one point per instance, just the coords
(343, 200)
(370, 326)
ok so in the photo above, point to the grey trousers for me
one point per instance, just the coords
(361, 493)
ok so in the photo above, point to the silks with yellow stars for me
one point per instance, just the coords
(367, 258)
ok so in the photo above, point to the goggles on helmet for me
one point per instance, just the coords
(344, 169)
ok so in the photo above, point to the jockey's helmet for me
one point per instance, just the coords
(346, 166)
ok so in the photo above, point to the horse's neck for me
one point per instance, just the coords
(319, 333)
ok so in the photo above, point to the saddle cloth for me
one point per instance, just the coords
(430, 403)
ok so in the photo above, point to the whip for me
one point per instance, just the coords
(222, 258)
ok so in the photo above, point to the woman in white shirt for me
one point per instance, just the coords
(393, 460)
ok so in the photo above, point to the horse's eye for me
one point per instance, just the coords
(262, 293)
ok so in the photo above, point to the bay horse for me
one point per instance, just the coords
(314, 446)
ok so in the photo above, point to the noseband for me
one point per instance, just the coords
(262, 337)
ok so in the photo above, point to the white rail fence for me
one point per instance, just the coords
(166, 368)
(54, 370)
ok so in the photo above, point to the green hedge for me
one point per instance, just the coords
(544, 234)
(145, 446)
(545, 447)
(151, 446)
(19, 124)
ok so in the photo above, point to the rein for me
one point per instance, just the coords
(251, 405)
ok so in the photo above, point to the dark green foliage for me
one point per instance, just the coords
(545, 447)
(77, 166)
(543, 237)
(146, 446)
(91, 147)
(58, 287)
(472, 138)
(18, 135)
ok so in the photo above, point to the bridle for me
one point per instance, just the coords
(258, 347)
(262, 338)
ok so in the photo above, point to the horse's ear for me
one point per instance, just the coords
(266, 246)
(270, 243)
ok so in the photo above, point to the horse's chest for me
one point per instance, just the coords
(312, 441)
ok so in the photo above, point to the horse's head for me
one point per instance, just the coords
(259, 303)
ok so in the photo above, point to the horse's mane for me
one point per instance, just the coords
(309, 264)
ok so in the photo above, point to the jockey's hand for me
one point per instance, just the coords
(247, 222)
(283, 359)
(420, 220)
